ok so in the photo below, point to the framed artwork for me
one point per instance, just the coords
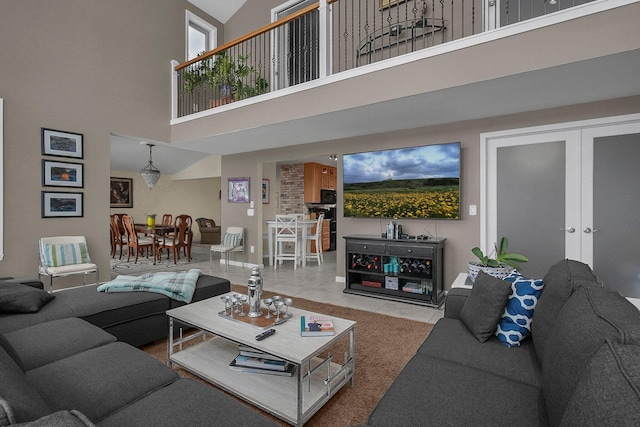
(55, 205)
(238, 190)
(265, 191)
(388, 3)
(61, 144)
(121, 192)
(62, 174)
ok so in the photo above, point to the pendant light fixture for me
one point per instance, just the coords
(150, 174)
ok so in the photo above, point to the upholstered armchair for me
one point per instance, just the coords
(209, 231)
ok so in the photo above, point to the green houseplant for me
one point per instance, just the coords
(232, 75)
(500, 266)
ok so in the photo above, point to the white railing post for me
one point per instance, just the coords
(324, 46)
(491, 15)
(174, 90)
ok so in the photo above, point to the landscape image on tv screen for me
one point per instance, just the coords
(415, 182)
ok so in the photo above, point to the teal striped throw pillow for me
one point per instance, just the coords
(231, 239)
(65, 254)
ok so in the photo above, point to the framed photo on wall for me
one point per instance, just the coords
(121, 192)
(265, 191)
(61, 144)
(238, 190)
(60, 205)
(62, 174)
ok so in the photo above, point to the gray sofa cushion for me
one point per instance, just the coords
(36, 348)
(451, 340)
(591, 316)
(485, 305)
(61, 419)
(608, 392)
(559, 282)
(200, 405)
(23, 400)
(430, 391)
(456, 298)
(18, 298)
(101, 380)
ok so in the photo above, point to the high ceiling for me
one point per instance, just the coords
(222, 10)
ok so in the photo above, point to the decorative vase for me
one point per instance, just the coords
(474, 267)
(151, 220)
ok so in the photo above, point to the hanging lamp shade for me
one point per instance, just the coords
(150, 174)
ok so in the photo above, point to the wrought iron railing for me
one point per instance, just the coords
(331, 36)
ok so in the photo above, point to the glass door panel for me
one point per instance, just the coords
(616, 243)
(531, 202)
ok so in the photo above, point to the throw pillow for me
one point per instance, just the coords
(65, 254)
(515, 324)
(484, 306)
(16, 298)
(231, 239)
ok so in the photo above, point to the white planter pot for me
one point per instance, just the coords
(474, 267)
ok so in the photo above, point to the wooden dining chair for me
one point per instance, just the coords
(167, 219)
(179, 239)
(118, 234)
(135, 242)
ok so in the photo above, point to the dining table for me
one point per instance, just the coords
(306, 225)
(154, 231)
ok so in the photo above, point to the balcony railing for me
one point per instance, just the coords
(332, 36)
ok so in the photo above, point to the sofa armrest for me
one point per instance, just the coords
(455, 301)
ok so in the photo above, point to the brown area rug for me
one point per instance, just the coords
(384, 344)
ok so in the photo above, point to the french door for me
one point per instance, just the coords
(567, 191)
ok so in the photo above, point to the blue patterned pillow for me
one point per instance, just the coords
(515, 323)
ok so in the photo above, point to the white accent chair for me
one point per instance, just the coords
(232, 241)
(63, 256)
(316, 239)
(288, 234)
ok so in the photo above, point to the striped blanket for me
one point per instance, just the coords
(177, 285)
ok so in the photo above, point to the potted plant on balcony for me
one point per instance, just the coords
(232, 76)
(500, 266)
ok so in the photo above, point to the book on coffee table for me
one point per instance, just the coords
(316, 326)
(288, 370)
(245, 350)
(259, 362)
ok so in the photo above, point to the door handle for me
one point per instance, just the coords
(568, 230)
(589, 230)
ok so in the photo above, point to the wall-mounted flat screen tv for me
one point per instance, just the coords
(415, 182)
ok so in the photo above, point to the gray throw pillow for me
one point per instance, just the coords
(17, 298)
(484, 307)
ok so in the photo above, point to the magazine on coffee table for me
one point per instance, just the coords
(314, 325)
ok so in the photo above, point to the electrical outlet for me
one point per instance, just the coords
(473, 210)
(252, 249)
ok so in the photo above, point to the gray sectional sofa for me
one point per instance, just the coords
(136, 318)
(69, 364)
(579, 367)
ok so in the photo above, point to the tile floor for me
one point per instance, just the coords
(316, 283)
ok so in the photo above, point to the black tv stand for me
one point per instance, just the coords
(406, 270)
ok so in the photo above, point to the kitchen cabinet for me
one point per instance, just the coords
(318, 177)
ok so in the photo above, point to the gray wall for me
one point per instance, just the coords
(85, 66)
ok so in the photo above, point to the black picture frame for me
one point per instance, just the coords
(62, 205)
(62, 174)
(62, 144)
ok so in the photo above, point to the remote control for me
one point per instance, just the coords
(265, 334)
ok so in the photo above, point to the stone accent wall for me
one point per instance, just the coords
(292, 189)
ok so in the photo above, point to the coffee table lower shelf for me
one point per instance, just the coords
(275, 394)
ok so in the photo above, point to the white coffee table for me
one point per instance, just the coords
(294, 399)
